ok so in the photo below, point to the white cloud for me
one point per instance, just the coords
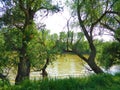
(56, 22)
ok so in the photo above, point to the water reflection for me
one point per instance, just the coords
(67, 65)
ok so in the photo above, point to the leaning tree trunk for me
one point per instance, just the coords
(89, 36)
(92, 64)
(91, 59)
(94, 67)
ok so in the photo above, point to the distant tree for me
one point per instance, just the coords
(70, 40)
(80, 43)
(62, 41)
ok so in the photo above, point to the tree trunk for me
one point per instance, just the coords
(94, 67)
(23, 71)
(44, 72)
(91, 62)
(91, 59)
(88, 34)
(24, 62)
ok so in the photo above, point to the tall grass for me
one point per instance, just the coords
(93, 82)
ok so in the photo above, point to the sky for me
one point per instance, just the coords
(57, 22)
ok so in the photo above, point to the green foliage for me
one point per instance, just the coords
(17, 14)
(117, 33)
(90, 11)
(63, 37)
(30, 32)
(21, 35)
(4, 83)
(82, 47)
(116, 6)
(71, 40)
(40, 48)
(62, 42)
(109, 54)
(36, 53)
(8, 45)
(12, 38)
(93, 82)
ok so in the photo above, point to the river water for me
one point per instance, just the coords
(67, 65)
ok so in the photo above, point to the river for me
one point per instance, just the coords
(67, 65)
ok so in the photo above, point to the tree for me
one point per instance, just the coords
(3, 59)
(66, 41)
(111, 20)
(21, 14)
(62, 41)
(109, 54)
(8, 55)
(44, 51)
(89, 14)
(81, 44)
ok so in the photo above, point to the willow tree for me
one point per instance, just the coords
(91, 15)
(111, 20)
(20, 14)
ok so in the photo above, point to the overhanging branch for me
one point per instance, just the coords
(107, 27)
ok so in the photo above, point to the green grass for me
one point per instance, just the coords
(93, 82)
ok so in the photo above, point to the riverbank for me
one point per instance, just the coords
(93, 82)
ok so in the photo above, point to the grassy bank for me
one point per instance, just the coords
(94, 82)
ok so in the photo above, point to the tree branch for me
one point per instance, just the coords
(98, 20)
(107, 27)
(117, 20)
(81, 22)
(113, 12)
